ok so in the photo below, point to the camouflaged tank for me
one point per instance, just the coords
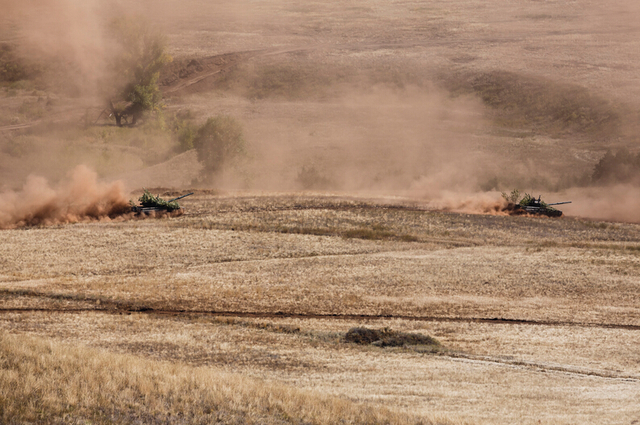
(531, 205)
(150, 203)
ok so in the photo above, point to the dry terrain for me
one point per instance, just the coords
(379, 135)
(537, 318)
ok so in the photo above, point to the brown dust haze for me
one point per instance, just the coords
(79, 198)
(361, 134)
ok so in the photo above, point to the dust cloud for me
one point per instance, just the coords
(611, 203)
(66, 36)
(373, 138)
(618, 203)
(386, 140)
(490, 203)
(79, 198)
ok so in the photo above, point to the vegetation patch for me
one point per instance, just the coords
(615, 168)
(14, 69)
(386, 337)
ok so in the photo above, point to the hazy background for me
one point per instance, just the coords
(447, 102)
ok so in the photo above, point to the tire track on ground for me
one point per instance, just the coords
(542, 367)
(123, 308)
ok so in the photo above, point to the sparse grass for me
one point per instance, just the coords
(361, 231)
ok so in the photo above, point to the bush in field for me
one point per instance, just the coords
(310, 178)
(388, 338)
(11, 69)
(619, 167)
(135, 70)
(219, 141)
(184, 129)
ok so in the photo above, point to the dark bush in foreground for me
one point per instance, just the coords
(387, 338)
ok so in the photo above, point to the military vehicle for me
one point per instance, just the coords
(531, 205)
(150, 203)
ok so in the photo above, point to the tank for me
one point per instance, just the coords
(150, 203)
(531, 205)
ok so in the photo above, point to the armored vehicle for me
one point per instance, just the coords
(531, 205)
(150, 203)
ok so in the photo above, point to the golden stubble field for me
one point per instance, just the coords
(267, 286)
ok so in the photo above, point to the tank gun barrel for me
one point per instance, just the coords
(560, 203)
(180, 197)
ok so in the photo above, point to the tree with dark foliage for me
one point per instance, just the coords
(135, 70)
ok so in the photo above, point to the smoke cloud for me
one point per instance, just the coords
(80, 198)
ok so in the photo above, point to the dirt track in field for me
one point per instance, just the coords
(122, 308)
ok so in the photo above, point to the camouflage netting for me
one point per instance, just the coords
(148, 200)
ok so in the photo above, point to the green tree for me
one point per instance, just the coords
(219, 141)
(135, 69)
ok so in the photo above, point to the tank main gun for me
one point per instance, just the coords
(560, 203)
(180, 197)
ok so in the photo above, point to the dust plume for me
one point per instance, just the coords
(384, 140)
(79, 198)
(619, 203)
(67, 36)
(490, 203)
(612, 203)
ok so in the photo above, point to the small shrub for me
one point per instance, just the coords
(217, 142)
(619, 167)
(185, 130)
(310, 178)
(387, 338)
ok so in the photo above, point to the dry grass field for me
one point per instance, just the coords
(537, 318)
(378, 137)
